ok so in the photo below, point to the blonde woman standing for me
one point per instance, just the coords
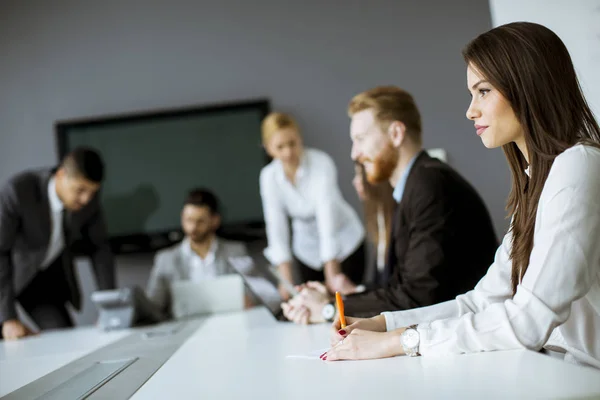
(300, 186)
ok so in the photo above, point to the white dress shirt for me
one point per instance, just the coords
(200, 268)
(324, 225)
(57, 241)
(557, 304)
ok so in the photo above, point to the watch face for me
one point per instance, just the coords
(328, 311)
(410, 338)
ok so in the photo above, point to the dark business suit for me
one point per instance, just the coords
(25, 231)
(442, 242)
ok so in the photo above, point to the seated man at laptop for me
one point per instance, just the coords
(200, 256)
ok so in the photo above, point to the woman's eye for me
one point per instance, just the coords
(483, 92)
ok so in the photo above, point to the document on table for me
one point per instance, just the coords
(311, 355)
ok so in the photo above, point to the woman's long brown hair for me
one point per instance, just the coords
(531, 67)
(377, 197)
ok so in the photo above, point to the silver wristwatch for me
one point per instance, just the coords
(328, 312)
(410, 340)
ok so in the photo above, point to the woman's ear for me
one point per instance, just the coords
(397, 133)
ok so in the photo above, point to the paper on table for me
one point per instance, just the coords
(313, 355)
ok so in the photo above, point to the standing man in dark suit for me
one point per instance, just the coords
(42, 212)
(442, 239)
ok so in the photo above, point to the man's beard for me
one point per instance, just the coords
(383, 165)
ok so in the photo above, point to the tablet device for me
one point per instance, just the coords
(262, 288)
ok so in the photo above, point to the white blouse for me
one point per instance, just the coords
(557, 304)
(324, 225)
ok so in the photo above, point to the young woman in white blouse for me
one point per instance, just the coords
(300, 185)
(543, 289)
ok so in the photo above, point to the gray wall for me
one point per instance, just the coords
(66, 59)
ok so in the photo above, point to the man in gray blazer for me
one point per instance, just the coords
(42, 213)
(201, 254)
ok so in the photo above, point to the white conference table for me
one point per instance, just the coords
(23, 361)
(245, 355)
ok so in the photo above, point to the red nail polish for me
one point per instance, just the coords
(342, 332)
(321, 356)
(324, 358)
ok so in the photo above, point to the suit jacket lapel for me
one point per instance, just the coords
(392, 257)
(421, 158)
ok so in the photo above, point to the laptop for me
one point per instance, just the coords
(218, 295)
(260, 286)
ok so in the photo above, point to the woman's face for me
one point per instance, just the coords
(286, 146)
(495, 121)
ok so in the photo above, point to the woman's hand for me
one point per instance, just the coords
(375, 324)
(364, 345)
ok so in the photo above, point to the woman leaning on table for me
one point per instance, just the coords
(300, 185)
(543, 290)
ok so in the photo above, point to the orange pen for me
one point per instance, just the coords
(340, 307)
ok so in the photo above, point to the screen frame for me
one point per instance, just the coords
(151, 242)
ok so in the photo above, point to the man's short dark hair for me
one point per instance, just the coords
(201, 197)
(84, 162)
